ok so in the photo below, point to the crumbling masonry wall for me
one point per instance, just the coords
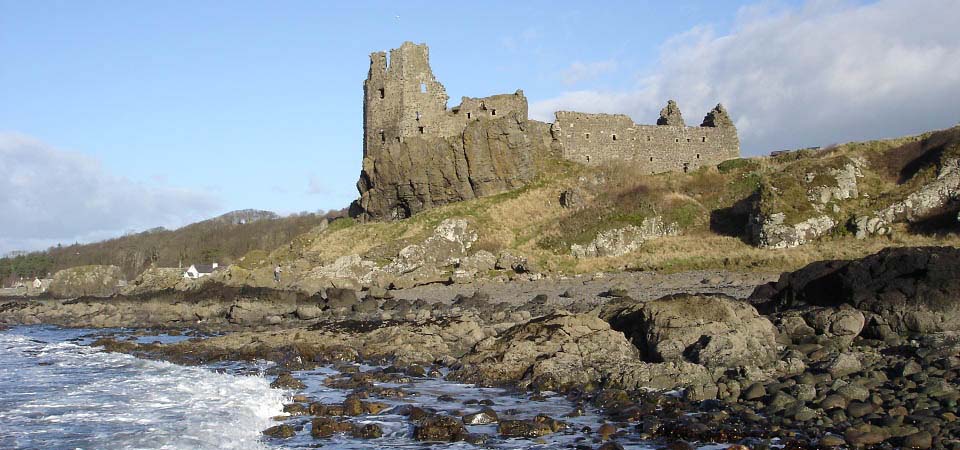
(403, 99)
(598, 138)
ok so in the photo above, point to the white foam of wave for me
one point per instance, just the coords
(85, 398)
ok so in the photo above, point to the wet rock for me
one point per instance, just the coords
(523, 428)
(280, 432)
(367, 431)
(440, 429)
(296, 409)
(324, 427)
(485, 416)
(287, 381)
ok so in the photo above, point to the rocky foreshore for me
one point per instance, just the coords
(844, 353)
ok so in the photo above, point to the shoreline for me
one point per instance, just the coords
(802, 373)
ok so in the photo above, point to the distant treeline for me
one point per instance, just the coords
(224, 239)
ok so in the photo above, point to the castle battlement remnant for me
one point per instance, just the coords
(418, 154)
(402, 99)
(668, 146)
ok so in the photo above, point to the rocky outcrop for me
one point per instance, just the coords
(929, 199)
(620, 241)
(489, 157)
(903, 290)
(563, 350)
(155, 279)
(711, 330)
(772, 231)
(803, 203)
(670, 115)
(93, 281)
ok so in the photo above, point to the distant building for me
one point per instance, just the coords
(200, 270)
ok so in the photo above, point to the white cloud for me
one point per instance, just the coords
(580, 71)
(49, 196)
(828, 71)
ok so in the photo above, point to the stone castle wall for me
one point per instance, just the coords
(417, 154)
(599, 138)
(403, 99)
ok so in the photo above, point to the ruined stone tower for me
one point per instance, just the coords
(417, 154)
(402, 99)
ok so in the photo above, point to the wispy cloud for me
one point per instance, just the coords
(581, 71)
(49, 195)
(824, 72)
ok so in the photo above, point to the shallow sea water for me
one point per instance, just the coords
(56, 393)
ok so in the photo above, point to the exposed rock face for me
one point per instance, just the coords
(670, 115)
(717, 117)
(620, 241)
(155, 279)
(94, 281)
(490, 157)
(428, 262)
(560, 350)
(796, 208)
(905, 289)
(772, 232)
(920, 204)
(712, 330)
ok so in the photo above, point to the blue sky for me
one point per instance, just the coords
(191, 109)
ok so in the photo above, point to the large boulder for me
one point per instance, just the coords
(712, 330)
(561, 350)
(911, 289)
(94, 281)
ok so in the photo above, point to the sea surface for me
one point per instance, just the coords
(57, 393)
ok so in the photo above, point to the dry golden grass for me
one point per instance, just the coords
(527, 220)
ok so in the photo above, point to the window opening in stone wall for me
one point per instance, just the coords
(588, 158)
(613, 136)
(421, 129)
(423, 88)
(688, 140)
(703, 139)
(383, 136)
(698, 156)
(468, 115)
(381, 92)
(399, 139)
(493, 112)
(686, 167)
(651, 159)
(418, 116)
(586, 135)
(648, 138)
(677, 140)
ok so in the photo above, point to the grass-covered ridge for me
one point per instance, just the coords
(710, 206)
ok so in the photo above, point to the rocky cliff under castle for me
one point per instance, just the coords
(418, 154)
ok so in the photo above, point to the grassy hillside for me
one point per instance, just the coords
(711, 206)
(222, 239)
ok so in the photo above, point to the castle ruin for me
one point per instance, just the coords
(418, 154)
(669, 146)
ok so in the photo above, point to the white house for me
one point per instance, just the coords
(200, 270)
